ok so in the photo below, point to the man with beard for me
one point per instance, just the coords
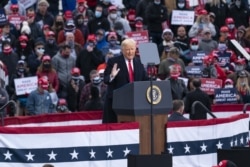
(51, 47)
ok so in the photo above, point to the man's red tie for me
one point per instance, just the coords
(130, 72)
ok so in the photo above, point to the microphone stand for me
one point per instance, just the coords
(151, 70)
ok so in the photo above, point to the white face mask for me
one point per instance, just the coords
(157, 2)
(229, 86)
(181, 5)
(237, 3)
(194, 47)
(119, 32)
(113, 15)
(40, 51)
(231, 26)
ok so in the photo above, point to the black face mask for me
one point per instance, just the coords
(59, 23)
(47, 66)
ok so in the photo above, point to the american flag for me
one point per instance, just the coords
(69, 146)
(195, 143)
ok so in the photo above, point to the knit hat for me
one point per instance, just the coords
(43, 2)
(167, 30)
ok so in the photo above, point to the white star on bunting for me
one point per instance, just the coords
(74, 155)
(30, 156)
(126, 152)
(219, 145)
(7, 155)
(109, 153)
(92, 154)
(170, 149)
(203, 148)
(52, 155)
(187, 149)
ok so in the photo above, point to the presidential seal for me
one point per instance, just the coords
(156, 94)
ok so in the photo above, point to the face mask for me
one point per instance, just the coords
(157, 2)
(112, 42)
(91, 44)
(71, 44)
(113, 15)
(7, 50)
(181, 5)
(229, 86)
(80, 21)
(222, 47)
(119, 32)
(98, 14)
(85, 22)
(97, 80)
(194, 47)
(231, 26)
(23, 45)
(40, 51)
(47, 66)
(59, 23)
(237, 3)
(20, 70)
(243, 84)
(51, 41)
(238, 68)
(76, 79)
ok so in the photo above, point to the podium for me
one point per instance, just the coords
(132, 103)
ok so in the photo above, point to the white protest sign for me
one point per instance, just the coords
(193, 3)
(25, 85)
(117, 3)
(182, 17)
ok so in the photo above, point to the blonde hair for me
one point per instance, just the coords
(128, 41)
(241, 88)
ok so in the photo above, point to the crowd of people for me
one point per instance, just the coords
(69, 51)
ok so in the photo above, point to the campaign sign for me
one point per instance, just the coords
(3, 18)
(16, 20)
(225, 95)
(182, 17)
(139, 37)
(194, 71)
(197, 58)
(25, 85)
(208, 85)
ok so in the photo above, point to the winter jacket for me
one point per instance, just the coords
(39, 103)
(63, 66)
(156, 15)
